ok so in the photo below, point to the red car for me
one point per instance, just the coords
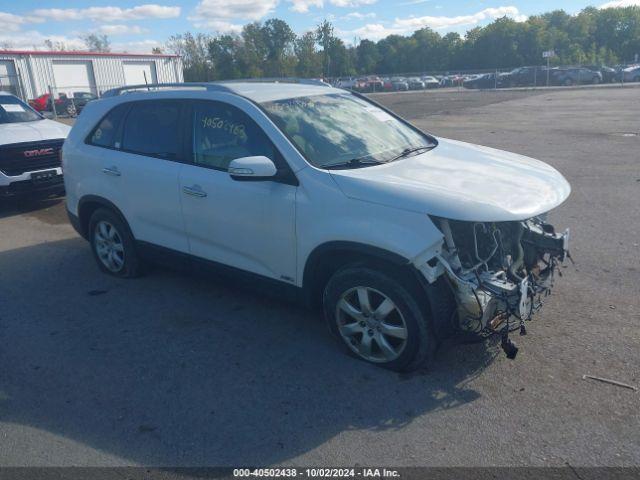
(41, 103)
(63, 104)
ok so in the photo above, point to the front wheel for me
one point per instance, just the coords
(378, 318)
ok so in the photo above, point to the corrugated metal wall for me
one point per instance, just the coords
(36, 71)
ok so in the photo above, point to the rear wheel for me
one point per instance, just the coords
(378, 318)
(113, 245)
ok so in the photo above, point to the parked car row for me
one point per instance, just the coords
(556, 76)
(64, 105)
(387, 84)
(518, 77)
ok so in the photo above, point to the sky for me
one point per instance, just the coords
(136, 26)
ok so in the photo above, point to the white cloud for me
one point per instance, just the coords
(406, 26)
(621, 4)
(359, 16)
(237, 9)
(142, 46)
(11, 22)
(443, 22)
(107, 14)
(225, 16)
(373, 31)
(121, 30)
(218, 26)
(302, 6)
(35, 40)
(352, 3)
(414, 2)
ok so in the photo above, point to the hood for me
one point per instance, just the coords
(460, 181)
(32, 131)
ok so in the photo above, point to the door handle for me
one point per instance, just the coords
(194, 191)
(113, 171)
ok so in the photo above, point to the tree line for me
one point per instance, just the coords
(271, 49)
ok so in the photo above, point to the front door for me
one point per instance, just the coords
(244, 224)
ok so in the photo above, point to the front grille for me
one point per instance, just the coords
(14, 161)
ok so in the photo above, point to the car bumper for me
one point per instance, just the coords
(75, 223)
(25, 184)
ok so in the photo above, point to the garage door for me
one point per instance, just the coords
(135, 73)
(74, 76)
(8, 77)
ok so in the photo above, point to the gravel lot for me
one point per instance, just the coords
(176, 371)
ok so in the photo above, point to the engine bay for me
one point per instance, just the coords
(500, 273)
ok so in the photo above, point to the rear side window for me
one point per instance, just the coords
(223, 133)
(153, 129)
(106, 133)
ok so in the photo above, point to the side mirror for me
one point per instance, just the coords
(252, 169)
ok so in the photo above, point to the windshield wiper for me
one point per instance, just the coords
(353, 163)
(410, 151)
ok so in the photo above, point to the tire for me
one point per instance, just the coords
(595, 81)
(568, 82)
(70, 110)
(394, 331)
(113, 245)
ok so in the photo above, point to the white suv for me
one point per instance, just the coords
(401, 237)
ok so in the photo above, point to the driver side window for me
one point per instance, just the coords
(223, 133)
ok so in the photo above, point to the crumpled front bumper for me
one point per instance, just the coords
(498, 302)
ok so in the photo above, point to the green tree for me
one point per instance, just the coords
(279, 40)
(593, 36)
(324, 36)
(194, 50)
(309, 60)
(367, 57)
(223, 52)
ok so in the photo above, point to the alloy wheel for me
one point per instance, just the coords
(109, 246)
(371, 324)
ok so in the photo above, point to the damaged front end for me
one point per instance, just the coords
(499, 272)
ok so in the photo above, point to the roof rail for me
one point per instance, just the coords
(302, 81)
(209, 86)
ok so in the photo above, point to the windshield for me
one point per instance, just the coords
(338, 128)
(14, 110)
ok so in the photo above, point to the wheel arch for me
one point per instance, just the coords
(89, 204)
(328, 258)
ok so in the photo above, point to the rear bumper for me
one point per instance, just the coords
(75, 223)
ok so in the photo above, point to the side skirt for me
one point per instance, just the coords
(220, 273)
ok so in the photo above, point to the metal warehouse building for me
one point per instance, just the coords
(30, 74)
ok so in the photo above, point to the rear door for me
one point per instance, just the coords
(140, 168)
(246, 225)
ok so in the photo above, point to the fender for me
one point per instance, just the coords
(319, 266)
(83, 218)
